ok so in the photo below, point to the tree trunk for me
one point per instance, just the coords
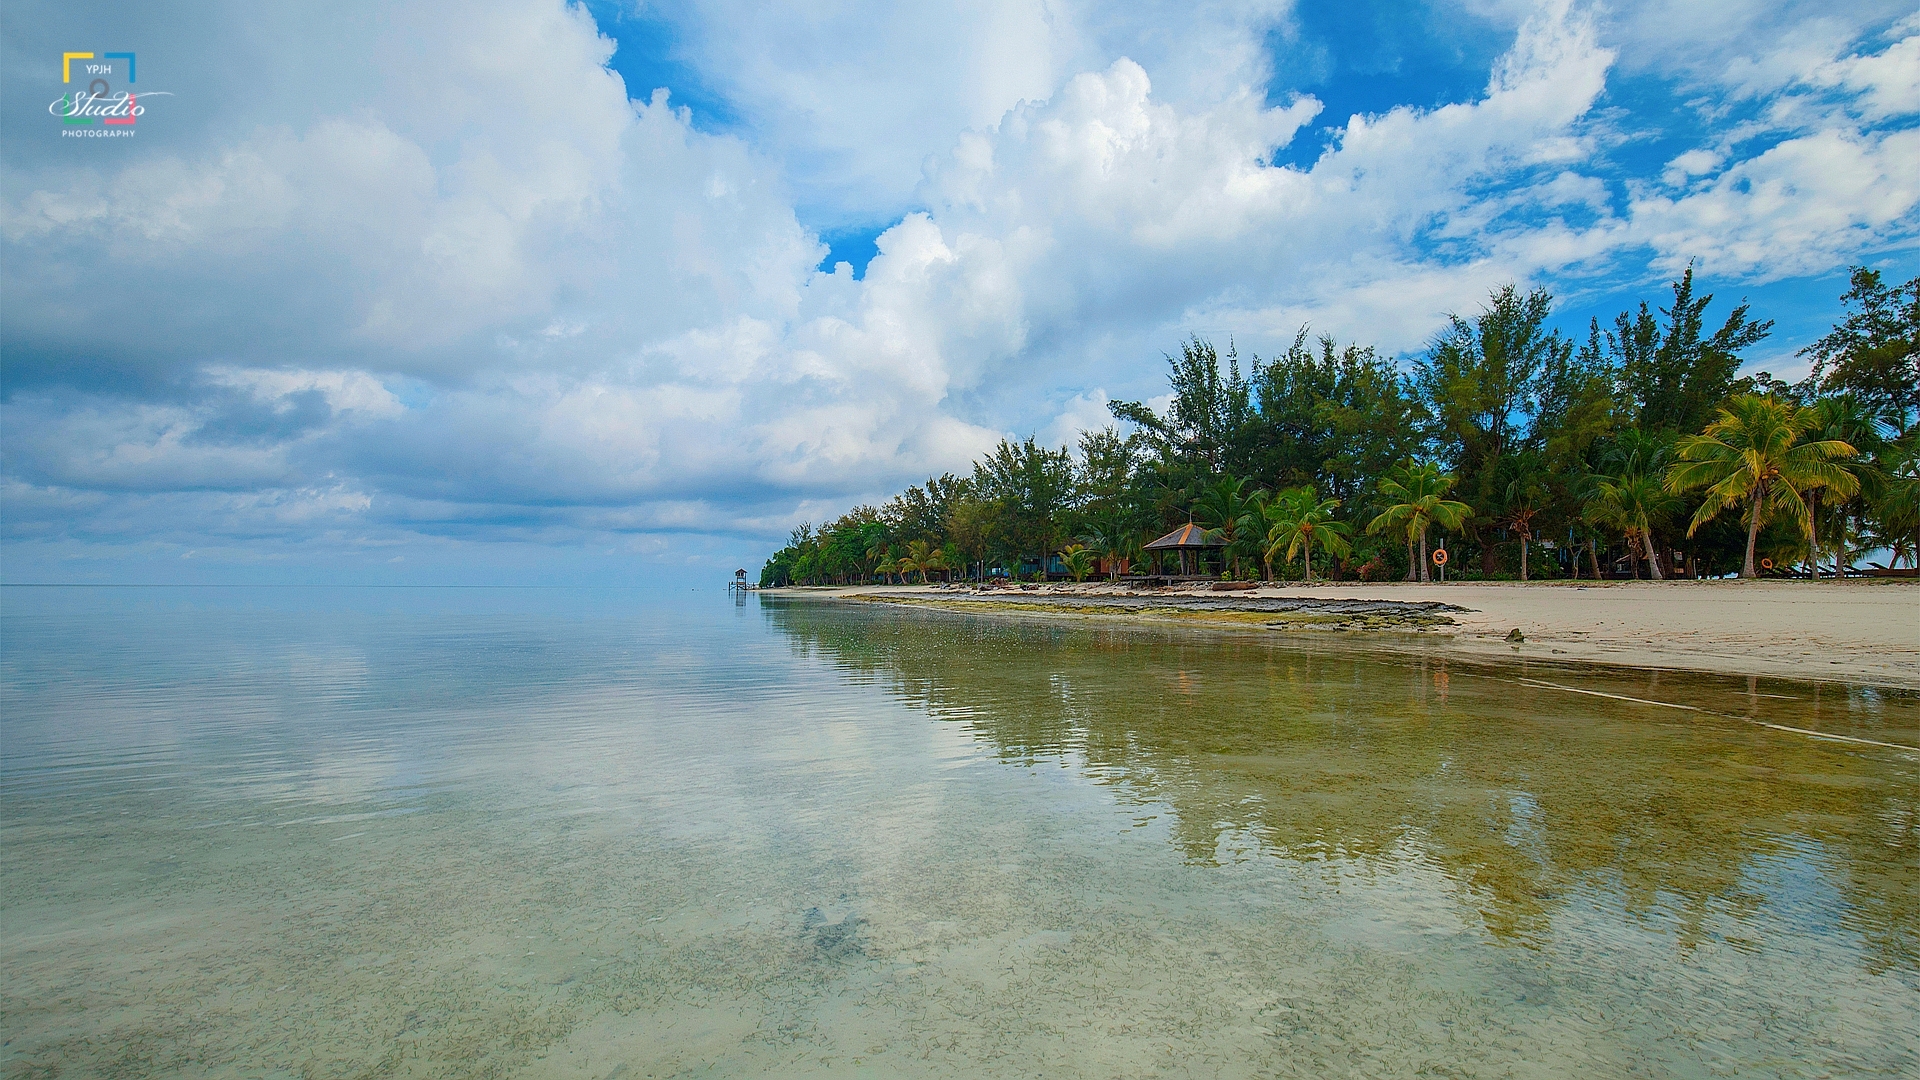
(1426, 575)
(1593, 557)
(1309, 558)
(1753, 533)
(1633, 555)
(1653, 555)
(1523, 555)
(1813, 538)
(1413, 565)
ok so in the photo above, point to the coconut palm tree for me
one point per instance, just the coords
(876, 552)
(1752, 456)
(1627, 459)
(914, 560)
(1298, 516)
(1897, 505)
(887, 569)
(1845, 419)
(1251, 529)
(907, 566)
(1416, 499)
(1111, 539)
(1226, 507)
(1273, 508)
(1630, 504)
(1078, 560)
(922, 558)
(1527, 495)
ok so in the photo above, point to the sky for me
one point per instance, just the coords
(527, 292)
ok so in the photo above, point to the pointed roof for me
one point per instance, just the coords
(1186, 536)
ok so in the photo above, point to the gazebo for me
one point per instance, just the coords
(1188, 537)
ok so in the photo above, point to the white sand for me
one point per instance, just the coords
(1857, 631)
(1865, 631)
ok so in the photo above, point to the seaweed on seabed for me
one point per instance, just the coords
(834, 941)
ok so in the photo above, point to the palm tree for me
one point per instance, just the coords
(1272, 510)
(1897, 507)
(888, 568)
(1299, 515)
(1619, 498)
(876, 552)
(1752, 456)
(1078, 560)
(1420, 491)
(1526, 493)
(910, 562)
(1225, 507)
(1631, 503)
(1111, 539)
(907, 566)
(1845, 419)
(922, 557)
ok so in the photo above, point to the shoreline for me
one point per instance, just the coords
(1849, 631)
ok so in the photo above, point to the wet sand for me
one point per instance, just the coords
(1854, 631)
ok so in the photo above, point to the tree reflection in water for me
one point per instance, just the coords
(1520, 790)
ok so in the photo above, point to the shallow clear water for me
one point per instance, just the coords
(539, 833)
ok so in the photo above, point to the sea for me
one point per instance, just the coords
(687, 832)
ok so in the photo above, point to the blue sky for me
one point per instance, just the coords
(530, 292)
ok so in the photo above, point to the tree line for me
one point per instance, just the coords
(1633, 448)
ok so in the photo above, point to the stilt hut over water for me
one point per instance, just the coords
(1188, 537)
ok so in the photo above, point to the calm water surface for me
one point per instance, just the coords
(467, 833)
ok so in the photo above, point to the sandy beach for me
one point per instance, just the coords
(1855, 631)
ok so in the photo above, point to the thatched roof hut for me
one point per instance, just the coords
(1188, 537)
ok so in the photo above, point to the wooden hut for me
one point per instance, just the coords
(1188, 537)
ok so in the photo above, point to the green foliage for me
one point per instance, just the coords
(1874, 353)
(1672, 377)
(1210, 412)
(1078, 561)
(1337, 418)
(1633, 504)
(1527, 496)
(920, 513)
(1415, 494)
(1035, 489)
(974, 525)
(1298, 517)
(1113, 538)
(1480, 383)
(1503, 432)
(1895, 523)
(1752, 456)
(1228, 507)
